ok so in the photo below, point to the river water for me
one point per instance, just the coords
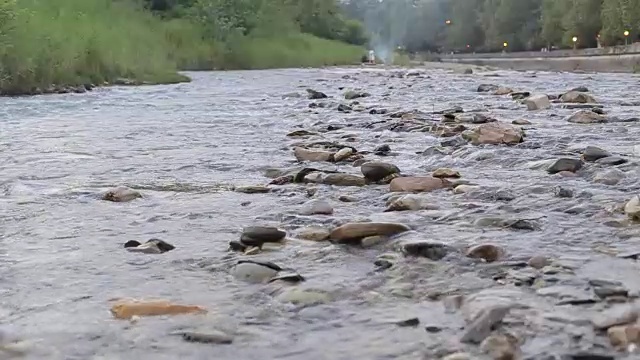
(185, 146)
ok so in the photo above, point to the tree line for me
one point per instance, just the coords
(224, 19)
(489, 25)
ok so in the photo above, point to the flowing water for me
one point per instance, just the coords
(185, 146)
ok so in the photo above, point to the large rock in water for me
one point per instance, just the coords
(258, 235)
(586, 117)
(417, 184)
(537, 102)
(352, 232)
(121, 194)
(594, 153)
(565, 164)
(495, 133)
(303, 154)
(578, 97)
(375, 170)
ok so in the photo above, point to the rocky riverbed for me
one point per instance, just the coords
(368, 213)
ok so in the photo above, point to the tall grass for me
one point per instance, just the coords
(75, 42)
(293, 50)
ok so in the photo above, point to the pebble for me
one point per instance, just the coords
(258, 235)
(430, 250)
(480, 328)
(413, 322)
(351, 232)
(538, 262)
(500, 347)
(121, 194)
(313, 233)
(486, 252)
(207, 338)
(445, 173)
(316, 207)
(375, 171)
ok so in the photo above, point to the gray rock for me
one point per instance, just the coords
(255, 272)
(344, 180)
(609, 177)
(315, 95)
(565, 164)
(578, 97)
(121, 194)
(214, 337)
(430, 250)
(375, 171)
(617, 315)
(586, 117)
(488, 87)
(537, 102)
(258, 235)
(593, 153)
(611, 160)
(316, 207)
(482, 326)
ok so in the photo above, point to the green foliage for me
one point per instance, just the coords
(74, 42)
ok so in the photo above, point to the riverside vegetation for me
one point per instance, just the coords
(71, 45)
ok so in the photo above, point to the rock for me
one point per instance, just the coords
(565, 164)
(375, 171)
(352, 232)
(303, 154)
(255, 271)
(413, 322)
(445, 173)
(520, 95)
(495, 133)
(371, 241)
(623, 336)
(343, 154)
(316, 207)
(344, 180)
(586, 117)
(578, 97)
(287, 275)
(315, 95)
(480, 328)
(304, 297)
(215, 337)
(537, 102)
(350, 95)
(563, 192)
(486, 252)
(609, 177)
(453, 142)
(252, 189)
(344, 108)
(463, 189)
(382, 150)
(431, 250)
(347, 198)
(121, 194)
(632, 208)
(538, 262)
(313, 233)
(611, 161)
(502, 91)
(593, 153)
(153, 246)
(126, 309)
(487, 88)
(258, 235)
(500, 347)
(521, 122)
(417, 184)
(410, 202)
(582, 89)
(301, 133)
(617, 315)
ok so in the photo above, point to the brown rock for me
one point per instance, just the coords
(623, 336)
(578, 97)
(313, 233)
(538, 262)
(417, 184)
(500, 347)
(126, 309)
(351, 232)
(502, 91)
(303, 154)
(445, 173)
(586, 117)
(487, 252)
(495, 133)
(343, 180)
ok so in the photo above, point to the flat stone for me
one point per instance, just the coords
(343, 154)
(254, 272)
(445, 173)
(258, 235)
(593, 153)
(313, 233)
(578, 97)
(611, 160)
(417, 184)
(357, 231)
(214, 337)
(565, 164)
(253, 189)
(303, 154)
(343, 180)
(617, 315)
(483, 325)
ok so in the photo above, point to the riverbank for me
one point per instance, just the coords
(618, 59)
(76, 45)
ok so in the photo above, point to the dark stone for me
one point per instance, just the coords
(430, 250)
(453, 142)
(611, 160)
(580, 89)
(565, 164)
(383, 264)
(289, 276)
(258, 235)
(433, 329)
(382, 150)
(314, 95)
(237, 246)
(487, 87)
(344, 108)
(132, 243)
(587, 356)
(563, 192)
(162, 245)
(376, 171)
(207, 338)
(409, 322)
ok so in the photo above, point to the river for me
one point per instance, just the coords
(185, 147)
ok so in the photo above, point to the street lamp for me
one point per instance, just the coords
(575, 42)
(626, 37)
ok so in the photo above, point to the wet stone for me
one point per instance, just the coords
(609, 177)
(445, 173)
(486, 252)
(565, 164)
(313, 233)
(208, 338)
(315, 95)
(413, 322)
(593, 153)
(258, 235)
(153, 246)
(417, 184)
(375, 171)
(538, 262)
(480, 328)
(316, 207)
(430, 250)
(382, 150)
(121, 194)
(611, 160)
(617, 315)
(355, 232)
(500, 347)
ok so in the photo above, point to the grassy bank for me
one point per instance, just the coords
(75, 42)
